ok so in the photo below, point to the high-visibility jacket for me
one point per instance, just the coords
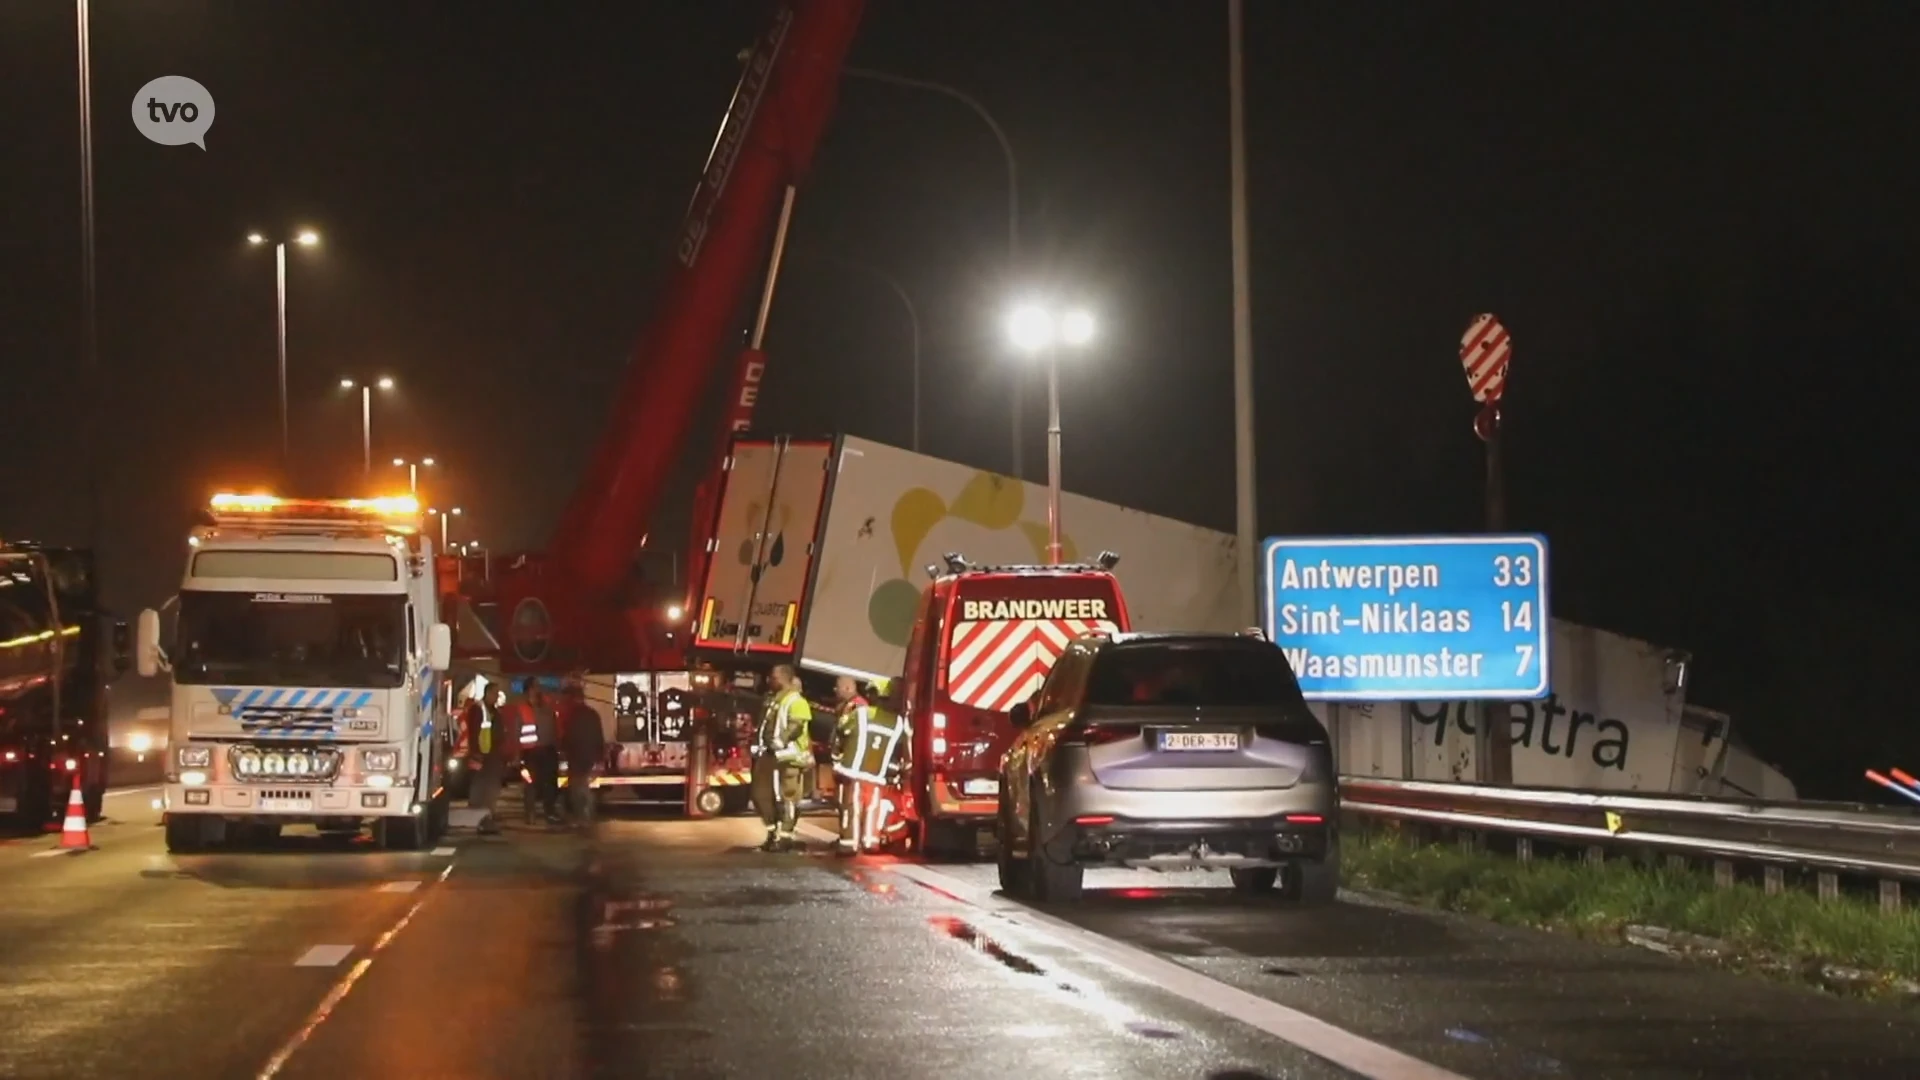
(873, 740)
(783, 729)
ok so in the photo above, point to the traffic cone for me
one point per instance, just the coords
(73, 834)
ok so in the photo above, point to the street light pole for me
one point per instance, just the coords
(305, 238)
(913, 322)
(366, 415)
(1038, 331)
(1053, 455)
(280, 335)
(1013, 198)
(1246, 527)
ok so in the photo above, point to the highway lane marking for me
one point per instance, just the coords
(1344, 1048)
(142, 789)
(400, 886)
(340, 989)
(57, 851)
(443, 852)
(323, 956)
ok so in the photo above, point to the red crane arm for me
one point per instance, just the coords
(772, 128)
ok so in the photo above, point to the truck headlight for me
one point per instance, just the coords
(196, 757)
(380, 760)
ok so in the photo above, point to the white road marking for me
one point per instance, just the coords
(400, 886)
(443, 852)
(1344, 1048)
(323, 956)
(133, 790)
(55, 851)
(340, 989)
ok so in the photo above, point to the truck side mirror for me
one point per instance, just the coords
(1021, 715)
(146, 649)
(122, 646)
(440, 647)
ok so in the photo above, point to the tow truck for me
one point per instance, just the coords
(306, 664)
(578, 606)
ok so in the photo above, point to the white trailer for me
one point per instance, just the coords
(306, 668)
(822, 548)
(1615, 719)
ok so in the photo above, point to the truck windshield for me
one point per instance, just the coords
(1192, 673)
(291, 639)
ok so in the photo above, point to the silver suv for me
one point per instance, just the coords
(1169, 751)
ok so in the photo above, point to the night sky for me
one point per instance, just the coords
(1697, 220)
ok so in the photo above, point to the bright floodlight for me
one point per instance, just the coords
(307, 237)
(674, 612)
(400, 461)
(255, 238)
(347, 384)
(1076, 328)
(1030, 327)
(427, 461)
(455, 511)
(386, 383)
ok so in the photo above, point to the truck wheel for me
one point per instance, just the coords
(710, 801)
(1315, 884)
(184, 834)
(95, 798)
(35, 807)
(438, 813)
(1013, 871)
(1254, 879)
(397, 833)
(1050, 881)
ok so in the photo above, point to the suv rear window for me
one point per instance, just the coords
(1192, 673)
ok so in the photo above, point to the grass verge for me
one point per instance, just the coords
(1602, 901)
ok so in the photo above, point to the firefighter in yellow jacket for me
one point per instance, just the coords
(782, 752)
(867, 745)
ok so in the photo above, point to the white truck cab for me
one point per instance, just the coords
(305, 656)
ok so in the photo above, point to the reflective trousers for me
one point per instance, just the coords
(860, 814)
(776, 796)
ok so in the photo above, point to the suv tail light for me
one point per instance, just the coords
(1099, 734)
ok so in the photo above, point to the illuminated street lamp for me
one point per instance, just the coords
(413, 471)
(443, 516)
(1039, 331)
(305, 238)
(366, 413)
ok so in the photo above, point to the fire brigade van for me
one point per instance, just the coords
(983, 640)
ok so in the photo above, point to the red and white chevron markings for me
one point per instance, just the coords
(995, 663)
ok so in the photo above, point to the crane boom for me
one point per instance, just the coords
(766, 142)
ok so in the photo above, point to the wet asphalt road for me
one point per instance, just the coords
(668, 948)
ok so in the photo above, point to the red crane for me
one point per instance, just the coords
(575, 606)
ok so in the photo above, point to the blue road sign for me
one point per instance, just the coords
(1410, 618)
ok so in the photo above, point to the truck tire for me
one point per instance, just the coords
(1013, 871)
(398, 833)
(184, 834)
(35, 807)
(1049, 880)
(95, 798)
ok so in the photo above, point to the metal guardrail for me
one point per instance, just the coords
(1843, 838)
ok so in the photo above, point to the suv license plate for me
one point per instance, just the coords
(1199, 740)
(980, 787)
(286, 804)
